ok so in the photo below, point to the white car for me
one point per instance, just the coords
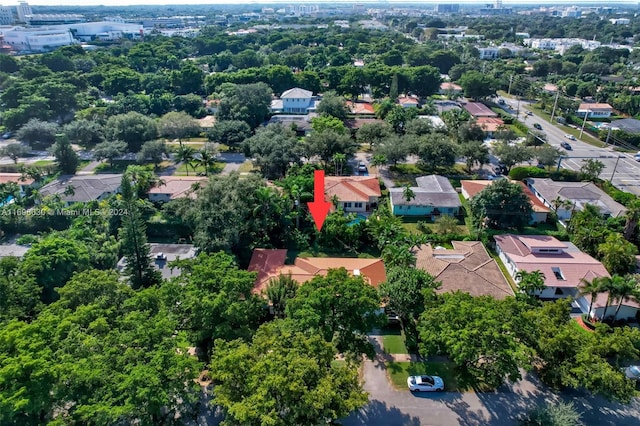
(571, 137)
(425, 384)
(632, 372)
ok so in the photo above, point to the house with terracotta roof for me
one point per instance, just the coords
(173, 187)
(478, 109)
(467, 268)
(353, 194)
(470, 188)
(567, 197)
(594, 110)
(448, 87)
(433, 197)
(490, 125)
(270, 264)
(408, 101)
(564, 267)
(360, 108)
(23, 182)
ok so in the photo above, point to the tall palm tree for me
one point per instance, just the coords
(185, 154)
(206, 160)
(627, 289)
(592, 288)
(338, 161)
(611, 286)
(632, 218)
(529, 282)
(278, 291)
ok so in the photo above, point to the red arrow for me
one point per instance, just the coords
(319, 208)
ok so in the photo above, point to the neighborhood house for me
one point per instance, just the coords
(352, 194)
(173, 187)
(270, 264)
(82, 189)
(434, 196)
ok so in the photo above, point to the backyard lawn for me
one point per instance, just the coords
(394, 344)
(399, 371)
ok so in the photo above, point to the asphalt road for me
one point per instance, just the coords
(627, 171)
(391, 407)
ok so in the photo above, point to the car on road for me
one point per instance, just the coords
(362, 167)
(529, 113)
(570, 137)
(537, 126)
(566, 146)
(632, 372)
(425, 383)
(637, 156)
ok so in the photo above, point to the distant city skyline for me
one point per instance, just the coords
(37, 3)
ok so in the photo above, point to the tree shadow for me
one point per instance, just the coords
(378, 413)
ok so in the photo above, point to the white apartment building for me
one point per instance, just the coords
(560, 45)
(23, 10)
(6, 15)
(38, 40)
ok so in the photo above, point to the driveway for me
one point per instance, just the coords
(391, 407)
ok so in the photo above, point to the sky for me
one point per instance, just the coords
(35, 3)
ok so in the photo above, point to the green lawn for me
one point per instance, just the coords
(181, 170)
(399, 371)
(246, 167)
(394, 344)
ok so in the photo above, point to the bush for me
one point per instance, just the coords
(564, 175)
(621, 197)
(423, 227)
(521, 173)
(560, 414)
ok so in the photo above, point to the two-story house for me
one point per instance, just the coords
(297, 101)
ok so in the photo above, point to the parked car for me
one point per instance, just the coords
(566, 146)
(637, 156)
(500, 169)
(7, 135)
(632, 372)
(570, 137)
(362, 168)
(537, 126)
(425, 384)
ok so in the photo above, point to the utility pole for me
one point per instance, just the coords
(615, 168)
(586, 114)
(608, 136)
(555, 104)
(510, 81)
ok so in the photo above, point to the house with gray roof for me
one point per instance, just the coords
(297, 101)
(13, 250)
(433, 197)
(162, 254)
(82, 189)
(567, 197)
(629, 125)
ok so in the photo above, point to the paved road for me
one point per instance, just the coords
(627, 171)
(391, 407)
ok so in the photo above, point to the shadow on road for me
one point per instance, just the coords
(378, 413)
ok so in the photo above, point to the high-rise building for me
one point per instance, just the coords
(6, 15)
(24, 10)
(447, 8)
(497, 4)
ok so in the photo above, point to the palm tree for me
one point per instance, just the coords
(632, 216)
(408, 194)
(628, 289)
(338, 161)
(592, 288)
(185, 154)
(530, 282)
(206, 160)
(611, 286)
(278, 291)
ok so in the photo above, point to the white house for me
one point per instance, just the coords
(489, 52)
(297, 101)
(595, 110)
(38, 40)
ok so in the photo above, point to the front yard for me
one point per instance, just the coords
(399, 371)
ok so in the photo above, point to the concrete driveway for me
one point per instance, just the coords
(391, 407)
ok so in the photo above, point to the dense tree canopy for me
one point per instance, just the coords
(501, 205)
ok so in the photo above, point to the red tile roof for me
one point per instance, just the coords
(351, 188)
(360, 107)
(489, 124)
(269, 264)
(472, 187)
(15, 178)
(478, 109)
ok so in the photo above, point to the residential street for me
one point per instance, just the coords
(391, 407)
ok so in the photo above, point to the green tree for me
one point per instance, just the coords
(327, 122)
(66, 158)
(229, 132)
(52, 261)
(283, 377)
(591, 169)
(328, 143)
(14, 151)
(501, 205)
(617, 254)
(38, 134)
(624, 291)
(342, 308)
(206, 158)
(185, 154)
(529, 283)
(475, 153)
(177, 125)
(477, 333)
(274, 149)
(133, 128)
(560, 414)
(373, 133)
(632, 216)
(424, 81)
(477, 85)
(591, 288)
(333, 105)
(86, 133)
(19, 292)
(588, 229)
(152, 151)
(510, 155)
(394, 149)
(435, 151)
(247, 102)
(109, 150)
(447, 225)
(279, 291)
(548, 155)
(139, 266)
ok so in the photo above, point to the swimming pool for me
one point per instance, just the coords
(359, 218)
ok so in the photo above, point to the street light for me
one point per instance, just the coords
(586, 114)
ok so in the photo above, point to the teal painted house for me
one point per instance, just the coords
(433, 197)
